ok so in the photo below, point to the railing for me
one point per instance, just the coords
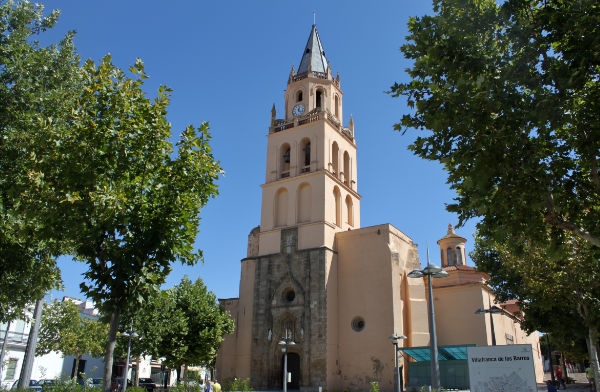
(305, 169)
(285, 174)
(314, 74)
(312, 116)
(15, 337)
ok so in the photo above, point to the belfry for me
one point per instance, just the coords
(312, 275)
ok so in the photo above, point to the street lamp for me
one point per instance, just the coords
(128, 334)
(284, 343)
(395, 341)
(431, 271)
(492, 310)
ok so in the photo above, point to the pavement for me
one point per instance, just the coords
(579, 384)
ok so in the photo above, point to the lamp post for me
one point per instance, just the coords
(128, 334)
(395, 341)
(496, 310)
(284, 343)
(492, 310)
(431, 271)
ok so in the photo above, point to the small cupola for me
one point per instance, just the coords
(452, 249)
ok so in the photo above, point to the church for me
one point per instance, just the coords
(332, 290)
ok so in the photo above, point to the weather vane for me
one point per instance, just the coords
(314, 17)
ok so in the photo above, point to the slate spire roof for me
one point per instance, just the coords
(313, 58)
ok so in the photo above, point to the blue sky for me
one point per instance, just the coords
(227, 63)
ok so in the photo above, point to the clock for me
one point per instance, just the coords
(298, 110)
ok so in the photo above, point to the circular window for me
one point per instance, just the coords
(289, 295)
(358, 324)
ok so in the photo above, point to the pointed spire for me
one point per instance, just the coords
(351, 125)
(292, 74)
(313, 58)
(273, 114)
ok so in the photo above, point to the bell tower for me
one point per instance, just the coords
(311, 179)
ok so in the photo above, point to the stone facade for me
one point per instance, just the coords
(290, 301)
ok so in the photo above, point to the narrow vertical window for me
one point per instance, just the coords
(346, 168)
(319, 102)
(281, 208)
(337, 107)
(304, 203)
(349, 210)
(449, 257)
(285, 160)
(458, 256)
(304, 156)
(338, 212)
(11, 369)
(299, 96)
(335, 150)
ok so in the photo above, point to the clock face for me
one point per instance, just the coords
(298, 110)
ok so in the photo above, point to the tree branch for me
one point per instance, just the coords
(552, 218)
(594, 173)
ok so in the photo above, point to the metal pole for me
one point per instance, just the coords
(550, 360)
(31, 346)
(285, 370)
(397, 369)
(4, 346)
(435, 366)
(127, 362)
(493, 331)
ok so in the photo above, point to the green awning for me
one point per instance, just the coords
(445, 353)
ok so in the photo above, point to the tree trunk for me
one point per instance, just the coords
(178, 370)
(138, 361)
(110, 348)
(27, 365)
(593, 353)
(76, 367)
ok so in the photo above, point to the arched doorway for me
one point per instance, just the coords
(293, 366)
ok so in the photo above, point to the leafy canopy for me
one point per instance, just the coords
(63, 329)
(506, 96)
(184, 324)
(36, 92)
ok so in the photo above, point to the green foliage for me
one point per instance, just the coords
(555, 284)
(186, 387)
(236, 385)
(374, 386)
(64, 330)
(87, 168)
(137, 389)
(67, 384)
(36, 91)
(503, 95)
(184, 324)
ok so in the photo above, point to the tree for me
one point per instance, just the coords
(506, 97)
(185, 325)
(556, 284)
(133, 200)
(64, 330)
(207, 322)
(36, 85)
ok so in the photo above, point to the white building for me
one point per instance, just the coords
(49, 366)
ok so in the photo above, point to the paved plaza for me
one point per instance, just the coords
(580, 384)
